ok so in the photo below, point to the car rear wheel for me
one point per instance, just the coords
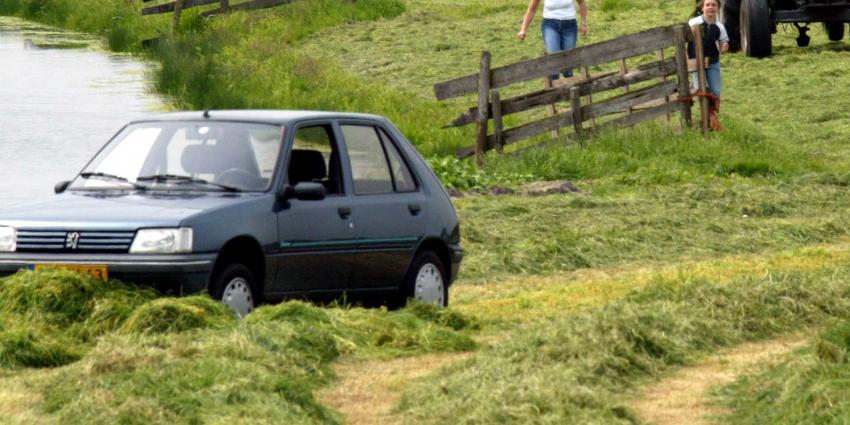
(426, 280)
(731, 15)
(755, 28)
(234, 286)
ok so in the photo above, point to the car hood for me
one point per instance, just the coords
(121, 210)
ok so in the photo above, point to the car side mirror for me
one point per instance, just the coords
(61, 186)
(305, 191)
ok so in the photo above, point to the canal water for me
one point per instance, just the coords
(61, 98)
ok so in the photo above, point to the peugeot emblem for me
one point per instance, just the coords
(72, 239)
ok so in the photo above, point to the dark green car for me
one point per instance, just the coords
(250, 206)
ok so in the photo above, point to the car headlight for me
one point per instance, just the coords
(162, 241)
(8, 239)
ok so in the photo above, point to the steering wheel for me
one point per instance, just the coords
(238, 177)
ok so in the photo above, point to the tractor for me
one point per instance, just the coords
(751, 23)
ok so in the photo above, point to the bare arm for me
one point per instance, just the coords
(526, 20)
(723, 43)
(582, 11)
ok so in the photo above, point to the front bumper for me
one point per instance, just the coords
(183, 273)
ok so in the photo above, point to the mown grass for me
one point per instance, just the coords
(516, 301)
(121, 355)
(518, 235)
(579, 368)
(51, 318)
(810, 387)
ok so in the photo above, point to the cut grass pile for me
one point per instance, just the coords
(809, 388)
(120, 355)
(50, 318)
(578, 368)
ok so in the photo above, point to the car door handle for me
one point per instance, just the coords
(344, 212)
(414, 209)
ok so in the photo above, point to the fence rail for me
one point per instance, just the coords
(225, 6)
(655, 100)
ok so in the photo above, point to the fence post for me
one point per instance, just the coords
(547, 84)
(660, 56)
(496, 100)
(585, 72)
(703, 101)
(575, 108)
(682, 74)
(225, 6)
(623, 71)
(175, 19)
(483, 108)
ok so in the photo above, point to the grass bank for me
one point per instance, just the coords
(247, 60)
(382, 56)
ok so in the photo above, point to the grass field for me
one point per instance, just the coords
(678, 244)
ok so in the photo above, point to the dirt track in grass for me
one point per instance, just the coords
(685, 396)
(367, 391)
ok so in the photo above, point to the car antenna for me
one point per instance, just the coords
(207, 113)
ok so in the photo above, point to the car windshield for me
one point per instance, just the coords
(186, 155)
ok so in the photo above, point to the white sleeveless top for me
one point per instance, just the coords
(559, 9)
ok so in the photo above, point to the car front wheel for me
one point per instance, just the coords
(234, 287)
(426, 280)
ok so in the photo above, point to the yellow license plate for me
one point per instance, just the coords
(96, 271)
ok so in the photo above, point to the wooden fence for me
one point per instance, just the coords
(634, 106)
(225, 6)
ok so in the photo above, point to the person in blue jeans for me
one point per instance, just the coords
(560, 29)
(715, 41)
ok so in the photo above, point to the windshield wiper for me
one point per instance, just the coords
(107, 176)
(179, 179)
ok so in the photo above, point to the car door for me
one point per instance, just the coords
(316, 238)
(388, 206)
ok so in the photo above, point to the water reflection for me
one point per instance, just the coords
(59, 104)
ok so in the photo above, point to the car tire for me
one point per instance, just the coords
(235, 287)
(755, 28)
(731, 20)
(834, 30)
(426, 280)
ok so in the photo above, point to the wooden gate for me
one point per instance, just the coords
(658, 96)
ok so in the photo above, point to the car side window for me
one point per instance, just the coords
(402, 177)
(369, 167)
(315, 158)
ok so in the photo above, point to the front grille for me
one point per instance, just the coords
(74, 241)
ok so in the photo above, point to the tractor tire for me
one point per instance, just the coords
(755, 28)
(731, 20)
(834, 30)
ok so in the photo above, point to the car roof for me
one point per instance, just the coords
(269, 116)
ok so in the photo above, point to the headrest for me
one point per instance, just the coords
(306, 166)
